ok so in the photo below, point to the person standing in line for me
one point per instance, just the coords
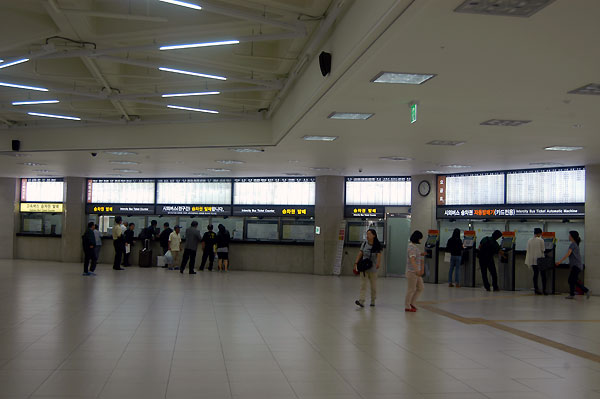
(576, 265)
(368, 248)
(118, 242)
(164, 237)
(535, 250)
(223, 238)
(149, 233)
(209, 240)
(192, 239)
(488, 247)
(175, 247)
(98, 237)
(89, 245)
(129, 236)
(455, 247)
(415, 268)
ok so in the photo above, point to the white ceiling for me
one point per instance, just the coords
(487, 67)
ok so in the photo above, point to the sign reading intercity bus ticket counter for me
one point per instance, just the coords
(197, 210)
(568, 211)
(120, 209)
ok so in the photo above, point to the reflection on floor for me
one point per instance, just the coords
(153, 333)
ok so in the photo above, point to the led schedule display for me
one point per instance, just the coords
(471, 189)
(547, 186)
(120, 191)
(42, 190)
(274, 191)
(378, 191)
(193, 191)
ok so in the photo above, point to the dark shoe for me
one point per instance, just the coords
(85, 274)
(120, 268)
(358, 303)
(496, 289)
(181, 271)
(92, 274)
(570, 297)
(372, 304)
(487, 289)
(414, 309)
(538, 292)
(201, 269)
(210, 269)
(192, 272)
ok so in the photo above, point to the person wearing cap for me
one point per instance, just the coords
(174, 245)
(487, 249)
(209, 240)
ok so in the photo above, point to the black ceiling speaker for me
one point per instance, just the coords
(16, 145)
(325, 63)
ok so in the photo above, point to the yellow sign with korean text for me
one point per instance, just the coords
(41, 207)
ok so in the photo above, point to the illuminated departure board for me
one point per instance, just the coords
(193, 191)
(471, 189)
(120, 191)
(274, 191)
(42, 190)
(547, 186)
(378, 191)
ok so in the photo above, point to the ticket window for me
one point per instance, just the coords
(186, 222)
(172, 220)
(235, 226)
(41, 223)
(106, 223)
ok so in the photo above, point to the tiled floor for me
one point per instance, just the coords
(151, 333)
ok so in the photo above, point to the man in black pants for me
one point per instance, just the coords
(164, 238)
(192, 238)
(129, 236)
(209, 239)
(89, 249)
(487, 249)
(118, 243)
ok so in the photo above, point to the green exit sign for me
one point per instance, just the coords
(413, 113)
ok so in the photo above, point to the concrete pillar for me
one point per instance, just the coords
(74, 219)
(329, 212)
(9, 214)
(592, 221)
(423, 209)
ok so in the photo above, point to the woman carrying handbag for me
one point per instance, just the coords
(368, 265)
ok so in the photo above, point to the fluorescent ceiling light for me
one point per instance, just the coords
(349, 115)
(562, 148)
(183, 4)
(22, 86)
(592, 88)
(13, 63)
(203, 93)
(120, 153)
(218, 170)
(455, 166)
(202, 75)
(128, 170)
(43, 170)
(320, 168)
(194, 45)
(394, 158)
(208, 111)
(125, 162)
(446, 142)
(403, 78)
(546, 164)
(320, 138)
(72, 118)
(504, 122)
(32, 164)
(115, 174)
(35, 102)
(247, 149)
(230, 162)
(294, 174)
(199, 174)
(432, 172)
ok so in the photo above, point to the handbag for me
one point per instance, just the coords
(365, 263)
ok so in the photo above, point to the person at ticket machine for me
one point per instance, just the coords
(487, 249)
(534, 255)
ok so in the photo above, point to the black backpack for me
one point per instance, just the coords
(365, 264)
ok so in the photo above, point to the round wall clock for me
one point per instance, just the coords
(424, 188)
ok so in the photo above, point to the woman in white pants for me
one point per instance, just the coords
(415, 268)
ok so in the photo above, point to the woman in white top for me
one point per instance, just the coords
(415, 268)
(535, 250)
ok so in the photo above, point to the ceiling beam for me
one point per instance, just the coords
(91, 65)
(111, 15)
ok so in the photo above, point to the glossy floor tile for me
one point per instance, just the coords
(152, 333)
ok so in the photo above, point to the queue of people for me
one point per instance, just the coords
(214, 245)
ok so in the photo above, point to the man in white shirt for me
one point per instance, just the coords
(175, 247)
(535, 250)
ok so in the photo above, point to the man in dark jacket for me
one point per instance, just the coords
(487, 249)
(89, 243)
(209, 239)
(129, 236)
(164, 237)
(149, 233)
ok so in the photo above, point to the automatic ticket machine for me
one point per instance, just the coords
(432, 250)
(469, 260)
(550, 254)
(506, 267)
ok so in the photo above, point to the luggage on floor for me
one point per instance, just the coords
(145, 257)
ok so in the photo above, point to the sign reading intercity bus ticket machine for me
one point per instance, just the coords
(198, 210)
